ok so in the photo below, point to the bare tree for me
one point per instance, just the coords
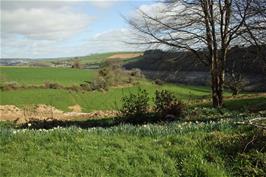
(207, 28)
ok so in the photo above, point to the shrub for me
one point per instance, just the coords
(10, 86)
(135, 106)
(136, 73)
(74, 88)
(99, 84)
(167, 106)
(86, 86)
(111, 74)
(159, 82)
(76, 64)
(52, 85)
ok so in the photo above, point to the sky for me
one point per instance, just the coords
(49, 29)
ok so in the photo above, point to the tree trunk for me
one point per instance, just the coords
(217, 81)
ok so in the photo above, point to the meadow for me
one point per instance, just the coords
(171, 149)
(92, 100)
(38, 76)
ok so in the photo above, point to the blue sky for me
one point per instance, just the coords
(45, 29)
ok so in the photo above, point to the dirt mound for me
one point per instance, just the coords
(75, 108)
(125, 56)
(10, 112)
(43, 112)
(42, 108)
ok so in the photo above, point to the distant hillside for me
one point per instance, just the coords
(184, 67)
(241, 58)
(87, 61)
(14, 61)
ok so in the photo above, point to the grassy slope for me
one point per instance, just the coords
(175, 149)
(65, 76)
(91, 100)
(99, 58)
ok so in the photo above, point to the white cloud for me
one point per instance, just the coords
(44, 24)
(31, 28)
(111, 40)
(102, 3)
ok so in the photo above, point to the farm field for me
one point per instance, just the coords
(99, 58)
(92, 100)
(33, 75)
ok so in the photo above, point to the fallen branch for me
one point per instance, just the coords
(253, 122)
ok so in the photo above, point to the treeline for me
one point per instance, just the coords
(241, 59)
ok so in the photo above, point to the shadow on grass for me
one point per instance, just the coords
(239, 104)
(90, 123)
(52, 123)
(249, 104)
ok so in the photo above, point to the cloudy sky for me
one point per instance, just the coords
(45, 29)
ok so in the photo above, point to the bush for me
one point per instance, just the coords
(167, 106)
(136, 73)
(135, 106)
(86, 86)
(159, 82)
(10, 86)
(76, 64)
(52, 85)
(99, 84)
(74, 88)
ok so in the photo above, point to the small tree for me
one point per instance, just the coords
(76, 64)
(235, 82)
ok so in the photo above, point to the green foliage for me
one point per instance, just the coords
(252, 163)
(100, 84)
(208, 114)
(167, 105)
(112, 74)
(135, 106)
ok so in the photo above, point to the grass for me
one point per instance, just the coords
(173, 149)
(94, 100)
(99, 58)
(253, 104)
(28, 75)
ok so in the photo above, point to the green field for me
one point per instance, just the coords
(30, 75)
(99, 58)
(93, 100)
(88, 100)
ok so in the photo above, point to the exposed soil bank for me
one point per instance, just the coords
(42, 112)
